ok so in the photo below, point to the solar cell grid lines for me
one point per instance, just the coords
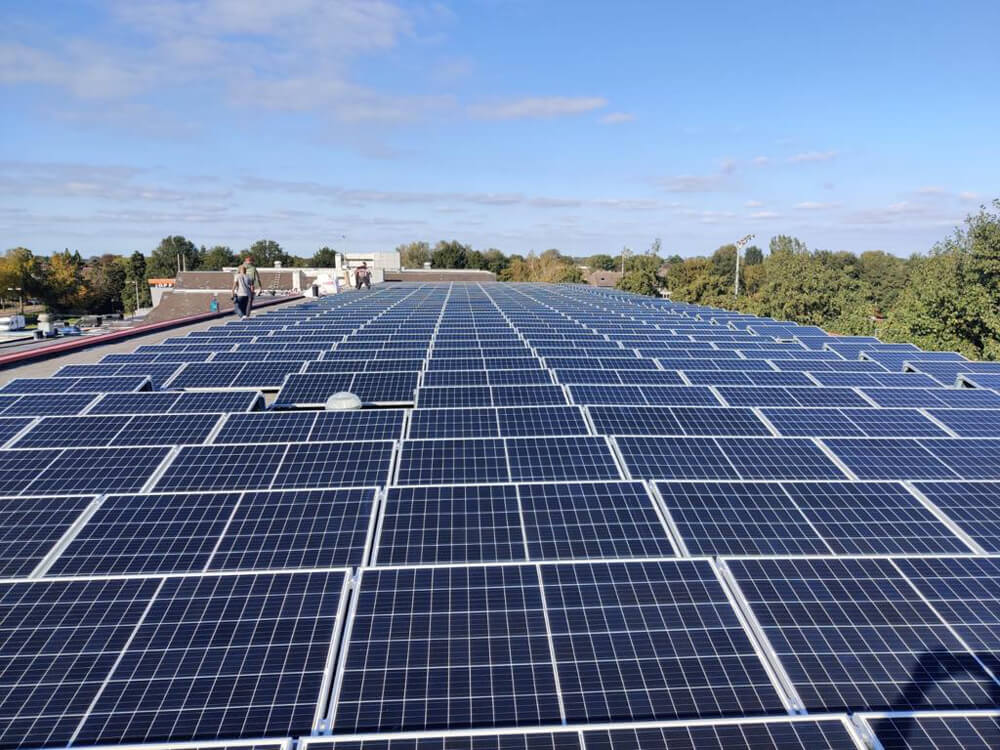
(591, 520)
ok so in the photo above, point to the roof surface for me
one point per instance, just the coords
(568, 517)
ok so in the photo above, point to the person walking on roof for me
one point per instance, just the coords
(242, 292)
(255, 283)
(363, 276)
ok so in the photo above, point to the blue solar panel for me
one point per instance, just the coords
(942, 732)
(487, 662)
(54, 666)
(778, 458)
(278, 466)
(773, 734)
(889, 459)
(186, 674)
(675, 458)
(733, 518)
(852, 423)
(30, 528)
(591, 520)
(973, 506)
(852, 634)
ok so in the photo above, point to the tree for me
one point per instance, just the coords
(753, 256)
(64, 289)
(163, 263)
(265, 253)
(494, 260)
(325, 257)
(136, 283)
(981, 240)
(451, 254)
(414, 254)
(19, 268)
(785, 244)
(218, 258)
(600, 262)
(640, 282)
(950, 301)
(104, 277)
(673, 260)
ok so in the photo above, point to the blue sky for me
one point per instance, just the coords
(517, 124)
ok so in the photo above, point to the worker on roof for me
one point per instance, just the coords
(363, 276)
(254, 276)
(242, 292)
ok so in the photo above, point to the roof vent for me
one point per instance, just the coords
(342, 401)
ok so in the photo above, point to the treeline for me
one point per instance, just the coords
(947, 299)
(68, 283)
(551, 265)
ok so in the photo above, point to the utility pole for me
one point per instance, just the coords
(740, 244)
(625, 252)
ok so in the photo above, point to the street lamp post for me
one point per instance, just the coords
(739, 246)
(20, 296)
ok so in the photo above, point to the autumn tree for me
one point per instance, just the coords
(414, 254)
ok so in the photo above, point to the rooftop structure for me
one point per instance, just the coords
(567, 517)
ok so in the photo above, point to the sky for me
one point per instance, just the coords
(516, 124)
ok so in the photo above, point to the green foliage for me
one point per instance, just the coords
(218, 258)
(104, 280)
(163, 263)
(325, 257)
(414, 254)
(640, 282)
(783, 244)
(951, 300)
(451, 254)
(494, 260)
(265, 253)
(600, 262)
(753, 256)
(135, 284)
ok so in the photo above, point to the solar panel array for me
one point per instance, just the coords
(566, 517)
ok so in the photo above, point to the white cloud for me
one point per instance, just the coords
(814, 206)
(931, 190)
(541, 107)
(753, 204)
(765, 215)
(760, 161)
(688, 183)
(617, 118)
(812, 156)
(968, 195)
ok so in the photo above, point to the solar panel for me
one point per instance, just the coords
(973, 506)
(486, 662)
(561, 740)
(889, 459)
(193, 667)
(176, 403)
(119, 431)
(10, 427)
(969, 459)
(423, 525)
(852, 634)
(59, 642)
(735, 518)
(674, 458)
(969, 422)
(396, 607)
(148, 534)
(278, 466)
(953, 731)
(38, 406)
(591, 520)
(872, 518)
(297, 529)
(965, 592)
(560, 459)
(76, 385)
(771, 734)
(315, 388)
(30, 528)
(624, 638)
(279, 427)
